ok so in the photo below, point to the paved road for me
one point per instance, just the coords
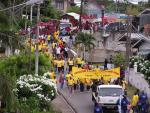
(80, 101)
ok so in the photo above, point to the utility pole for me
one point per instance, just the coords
(37, 39)
(31, 10)
(128, 46)
(81, 12)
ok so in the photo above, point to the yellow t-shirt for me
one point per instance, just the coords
(40, 47)
(67, 76)
(78, 60)
(135, 100)
(52, 75)
(70, 62)
(82, 62)
(55, 62)
(88, 82)
(48, 37)
(59, 63)
(53, 45)
(62, 62)
(75, 80)
(70, 82)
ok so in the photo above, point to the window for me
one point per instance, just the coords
(110, 91)
(60, 5)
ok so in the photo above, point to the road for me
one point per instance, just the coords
(80, 101)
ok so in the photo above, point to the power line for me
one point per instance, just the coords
(30, 2)
(13, 7)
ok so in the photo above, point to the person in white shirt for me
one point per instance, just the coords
(58, 51)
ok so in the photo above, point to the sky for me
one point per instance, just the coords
(132, 1)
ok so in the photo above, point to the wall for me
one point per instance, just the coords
(138, 81)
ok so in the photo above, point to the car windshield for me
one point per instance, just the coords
(110, 91)
(65, 25)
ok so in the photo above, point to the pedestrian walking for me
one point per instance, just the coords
(143, 103)
(79, 61)
(123, 103)
(98, 109)
(70, 85)
(134, 102)
(82, 81)
(70, 63)
(61, 80)
(105, 64)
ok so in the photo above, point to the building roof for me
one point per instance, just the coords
(75, 15)
(146, 11)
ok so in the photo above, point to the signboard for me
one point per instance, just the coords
(96, 74)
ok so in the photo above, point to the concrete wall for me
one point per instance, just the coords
(138, 81)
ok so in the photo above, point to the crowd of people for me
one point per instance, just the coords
(62, 73)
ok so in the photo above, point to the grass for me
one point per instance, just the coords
(131, 90)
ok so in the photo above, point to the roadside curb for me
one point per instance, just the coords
(71, 106)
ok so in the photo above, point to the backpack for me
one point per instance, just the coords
(143, 98)
(124, 102)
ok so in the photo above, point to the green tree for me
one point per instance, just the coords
(86, 40)
(74, 9)
(132, 10)
(49, 11)
(119, 60)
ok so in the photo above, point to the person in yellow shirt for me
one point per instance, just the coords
(75, 83)
(40, 47)
(82, 83)
(56, 34)
(54, 80)
(82, 63)
(59, 65)
(88, 83)
(70, 64)
(62, 65)
(49, 39)
(54, 45)
(134, 102)
(79, 61)
(70, 84)
(52, 75)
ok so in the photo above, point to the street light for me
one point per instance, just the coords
(37, 38)
(38, 2)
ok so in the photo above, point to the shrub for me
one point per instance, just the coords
(36, 90)
(119, 60)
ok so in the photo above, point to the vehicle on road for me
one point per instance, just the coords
(107, 96)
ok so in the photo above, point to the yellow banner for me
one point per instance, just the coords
(96, 74)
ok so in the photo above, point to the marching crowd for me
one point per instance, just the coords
(63, 64)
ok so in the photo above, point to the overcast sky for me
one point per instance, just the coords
(132, 1)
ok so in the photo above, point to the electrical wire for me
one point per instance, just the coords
(13, 7)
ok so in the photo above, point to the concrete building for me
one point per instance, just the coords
(62, 4)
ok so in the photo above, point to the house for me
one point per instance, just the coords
(140, 43)
(62, 5)
(144, 23)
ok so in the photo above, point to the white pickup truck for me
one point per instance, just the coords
(107, 96)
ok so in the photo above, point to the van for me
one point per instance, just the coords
(108, 95)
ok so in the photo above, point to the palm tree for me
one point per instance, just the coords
(86, 40)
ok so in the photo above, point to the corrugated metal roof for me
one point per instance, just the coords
(75, 15)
